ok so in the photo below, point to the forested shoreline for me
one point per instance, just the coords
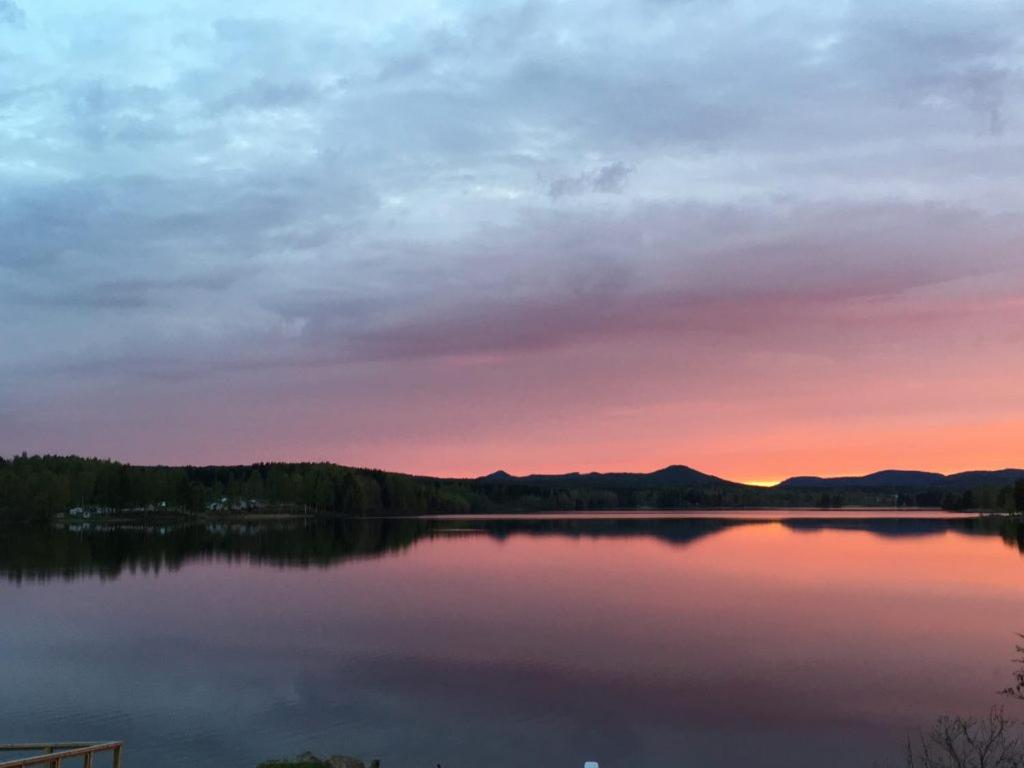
(40, 487)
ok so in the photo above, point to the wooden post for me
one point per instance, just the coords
(87, 760)
(117, 756)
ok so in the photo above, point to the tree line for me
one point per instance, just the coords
(38, 487)
(41, 486)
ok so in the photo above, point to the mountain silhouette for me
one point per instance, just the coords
(899, 478)
(672, 476)
(680, 475)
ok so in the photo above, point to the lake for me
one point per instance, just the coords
(757, 639)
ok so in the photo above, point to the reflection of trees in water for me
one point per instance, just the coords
(1008, 527)
(680, 531)
(683, 531)
(107, 550)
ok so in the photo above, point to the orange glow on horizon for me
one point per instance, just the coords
(789, 450)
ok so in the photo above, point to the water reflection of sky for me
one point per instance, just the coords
(757, 645)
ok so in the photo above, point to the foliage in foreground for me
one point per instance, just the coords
(992, 741)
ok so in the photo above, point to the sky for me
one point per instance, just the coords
(758, 238)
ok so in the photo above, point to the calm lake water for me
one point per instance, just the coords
(711, 640)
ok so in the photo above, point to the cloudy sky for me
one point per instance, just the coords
(760, 238)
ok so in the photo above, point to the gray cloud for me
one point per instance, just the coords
(797, 286)
(943, 55)
(609, 178)
(188, 193)
(11, 13)
(838, 256)
(137, 293)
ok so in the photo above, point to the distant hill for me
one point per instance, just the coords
(679, 475)
(906, 479)
(670, 477)
(981, 477)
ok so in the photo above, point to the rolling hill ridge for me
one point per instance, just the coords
(907, 479)
(681, 475)
(667, 477)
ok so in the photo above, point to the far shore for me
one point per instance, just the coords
(274, 515)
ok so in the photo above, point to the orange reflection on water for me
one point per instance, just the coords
(829, 624)
(779, 642)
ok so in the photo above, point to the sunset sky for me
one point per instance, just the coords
(758, 238)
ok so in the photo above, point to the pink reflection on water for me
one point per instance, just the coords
(751, 625)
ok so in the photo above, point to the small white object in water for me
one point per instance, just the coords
(590, 764)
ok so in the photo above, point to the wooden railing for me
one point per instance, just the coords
(52, 755)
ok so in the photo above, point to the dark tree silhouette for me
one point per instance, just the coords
(992, 741)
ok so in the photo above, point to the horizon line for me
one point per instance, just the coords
(759, 483)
